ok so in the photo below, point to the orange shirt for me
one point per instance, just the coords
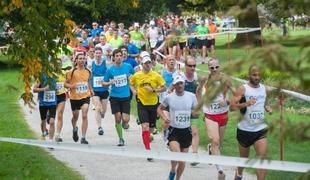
(81, 79)
(213, 29)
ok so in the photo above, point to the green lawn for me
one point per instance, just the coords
(21, 161)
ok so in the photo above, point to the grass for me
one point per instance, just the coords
(21, 161)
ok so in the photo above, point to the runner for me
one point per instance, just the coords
(128, 60)
(211, 38)
(152, 35)
(116, 41)
(180, 103)
(47, 104)
(61, 101)
(183, 31)
(146, 84)
(137, 38)
(101, 93)
(251, 98)
(202, 32)
(118, 76)
(106, 50)
(216, 112)
(133, 51)
(78, 80)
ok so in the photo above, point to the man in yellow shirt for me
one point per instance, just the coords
(146, 84)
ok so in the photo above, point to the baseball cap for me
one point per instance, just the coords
(144, 53)
(152, 22)
(136, 24)
(146, 59)
(177, 79)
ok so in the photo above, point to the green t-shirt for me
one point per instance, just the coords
(136, 38)
(116, 43)
(202, 30)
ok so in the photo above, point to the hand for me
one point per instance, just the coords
(92, 93)
(112, 81)
(268, 109)
(166, 123)
(46, 88)
(149, 88)
(73, 86)
(251, 102)
(223, 103)
(134, 93)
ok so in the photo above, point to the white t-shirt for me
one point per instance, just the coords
(105, 48)
(180, 108)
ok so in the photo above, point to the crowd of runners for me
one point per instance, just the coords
(116, 65)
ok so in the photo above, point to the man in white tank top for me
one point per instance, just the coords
(250, 98)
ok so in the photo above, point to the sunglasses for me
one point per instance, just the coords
(189, 65)
(214, 67)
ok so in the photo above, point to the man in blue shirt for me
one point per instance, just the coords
(118, 77)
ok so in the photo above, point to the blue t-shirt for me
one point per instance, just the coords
(97, 78)
(168, 77)
(132, 49)
(120, 89)
(48, 98)
(94, 32)
(131, 61)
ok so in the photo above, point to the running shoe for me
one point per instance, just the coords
(138, 121)
(100, 131)
(171, 176)
(75, 134)
(42, 138)
(84, 141)
(151, 138)
(58, 139)
(150, 159)
(125, 125)
(121, 142)
(194, 164)
(165, 134)
(93, 108)
(155, 131)
(209, 149)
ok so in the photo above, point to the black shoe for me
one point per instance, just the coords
(100, 131)
(58, 139)
(75, 134)
(121, 142)
(138, 121)
(150, 159)
(84, 141)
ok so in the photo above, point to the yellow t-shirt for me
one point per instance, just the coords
(60, 88)
(81, 79)
(140, 80)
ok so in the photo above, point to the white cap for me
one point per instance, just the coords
(144, 53)
(136, 24)
(177, 79)
(146, 59)
(152, 22)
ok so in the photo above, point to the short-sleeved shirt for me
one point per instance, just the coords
(180, 108)
(98, 72)
(120, 89)
(81, 79)
(140, 80)
(116, 43)
(132, 49)
(60, 88)
(47, 98)
(131, 61)
(136, 38)
(202, 30)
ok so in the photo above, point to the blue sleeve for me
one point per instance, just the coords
(132, 71)
(134, 63)
(135, 49)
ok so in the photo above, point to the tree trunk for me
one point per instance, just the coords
(249, 20)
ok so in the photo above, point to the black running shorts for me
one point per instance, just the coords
(247, 138)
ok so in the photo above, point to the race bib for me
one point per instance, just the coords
(182, 118)
(256, 117)
(120, 80)
(153, 42)
(81, 88)
(98, 81)
(59, 86)
(49, 96)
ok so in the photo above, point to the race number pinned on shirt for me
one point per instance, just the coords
(153, 43)
(59, 86)
(182, 118)
(120, 80)
(81, 87)
(98, 81)
(256, 117)
(49, 96)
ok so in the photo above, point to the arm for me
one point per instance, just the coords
(37, 88)
(234, 102)
(165, 119)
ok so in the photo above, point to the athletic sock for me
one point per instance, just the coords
(119, 130)
(146, 139)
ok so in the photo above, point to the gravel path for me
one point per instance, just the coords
(98, 166)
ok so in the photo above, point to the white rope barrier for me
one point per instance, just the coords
(167, 155)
